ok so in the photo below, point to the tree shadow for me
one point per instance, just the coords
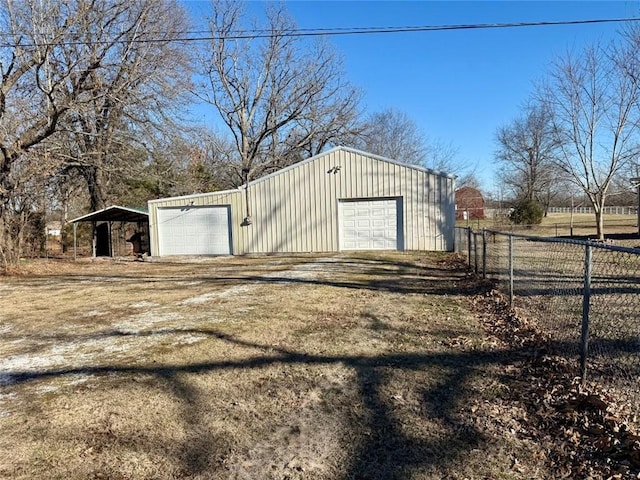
(383, 447)
(387, 451)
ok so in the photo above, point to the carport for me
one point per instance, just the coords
(102, 222)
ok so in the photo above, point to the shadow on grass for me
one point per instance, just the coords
(386, 452)
(383, 446)
(376, 275)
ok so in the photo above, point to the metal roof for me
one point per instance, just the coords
(115, 213)
(309, 160)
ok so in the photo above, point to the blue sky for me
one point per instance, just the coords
(458, 86)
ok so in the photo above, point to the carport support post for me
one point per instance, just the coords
(75, 241)
(586, 300)
(110, 229)
(94, 240)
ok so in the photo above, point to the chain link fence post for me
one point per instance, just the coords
(484, 254)
(475, 252)
(469, 245)
(586, 301)
(511, 271)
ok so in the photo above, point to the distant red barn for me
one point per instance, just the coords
(469, 204)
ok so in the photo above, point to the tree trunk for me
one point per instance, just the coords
(599, 222)
(11, 237)
(9, 244)
(95, 184)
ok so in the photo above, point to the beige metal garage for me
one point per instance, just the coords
(343, 199)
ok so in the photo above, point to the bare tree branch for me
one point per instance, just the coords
(594, 102)
(282, 99)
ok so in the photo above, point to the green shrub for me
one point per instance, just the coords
(527, 212)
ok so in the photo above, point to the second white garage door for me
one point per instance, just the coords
(194, 230)
(370, 225)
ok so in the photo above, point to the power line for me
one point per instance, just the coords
(314, 32)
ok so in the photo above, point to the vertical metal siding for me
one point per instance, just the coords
(296, 210)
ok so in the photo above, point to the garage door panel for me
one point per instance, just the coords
(194, 231)
(369, 224)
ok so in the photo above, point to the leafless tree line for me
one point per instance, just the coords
(579, 132)
(95, 98)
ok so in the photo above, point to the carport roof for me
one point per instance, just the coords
(115, 213)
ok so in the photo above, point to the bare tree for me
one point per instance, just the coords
(593, 97)
(280, 97)
(24, 208)
(37, 88)
(443, 156)
(527, 151)
(468, 180)
(63, 71)
(335, 122)
(140, 81)
(393, 134)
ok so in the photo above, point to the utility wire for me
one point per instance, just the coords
(314, 32)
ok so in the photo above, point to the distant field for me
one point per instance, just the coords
(560, 224)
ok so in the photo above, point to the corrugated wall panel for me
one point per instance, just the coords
(408, 205)
(296, 209)
(450, 215)
(422, 212)
(331, 201)
(430, 194)
(316, 203)
(416, 222)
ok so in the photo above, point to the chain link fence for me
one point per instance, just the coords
(585, 296)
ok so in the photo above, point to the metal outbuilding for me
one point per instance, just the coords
(102, 220)
(343, 199)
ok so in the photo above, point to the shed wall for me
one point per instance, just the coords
(296, 209)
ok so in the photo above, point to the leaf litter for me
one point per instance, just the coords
(583, 430)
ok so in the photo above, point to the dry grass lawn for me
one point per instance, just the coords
(559, 224)
(314, 367)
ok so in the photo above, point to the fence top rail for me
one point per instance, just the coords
(571, 241)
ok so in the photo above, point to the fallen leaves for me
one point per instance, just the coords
(584, 431)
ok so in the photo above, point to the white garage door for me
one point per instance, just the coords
(194, 230)
(369, 225)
